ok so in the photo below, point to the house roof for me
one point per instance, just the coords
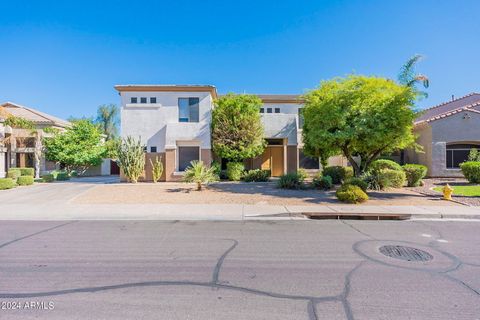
(470, 102)
(168, 88)
(33, 115)
(280, 98)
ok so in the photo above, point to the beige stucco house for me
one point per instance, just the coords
(447, 133)
(18, 146)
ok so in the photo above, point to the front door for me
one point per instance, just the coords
(272, 159)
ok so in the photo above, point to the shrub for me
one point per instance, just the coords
(323, 182)
(6, 183)
(414, 173)
(351, 194)
(25, 180)
(382, 164)
(62, 176)
(131, 158)
(217, 168)
(474, 155)
(14, 173)
(48, 177)
(199, 173)
(338, 173)
(471, 171)
(372, 180)
(291, 181)
(357, 182)
(302, 173)
(235, 171)
(27, 172)
(388, 178)
(157, 169)
(257, 175)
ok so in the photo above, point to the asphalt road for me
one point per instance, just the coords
(237, 270)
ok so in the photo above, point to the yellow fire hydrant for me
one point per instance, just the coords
(447, 192)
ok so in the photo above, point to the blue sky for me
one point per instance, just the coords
(64, 57)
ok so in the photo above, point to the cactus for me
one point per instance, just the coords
(157, 169)
(131, 158)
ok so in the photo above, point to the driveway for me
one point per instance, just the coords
(239, 270)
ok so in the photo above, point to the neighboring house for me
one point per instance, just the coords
(17, 146)
(447, 133)
(173, 121)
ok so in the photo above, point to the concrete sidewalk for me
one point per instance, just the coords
(63, 211)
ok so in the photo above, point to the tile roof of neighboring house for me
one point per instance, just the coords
(469, 102)
(33, 115)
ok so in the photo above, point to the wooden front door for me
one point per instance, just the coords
(272, 159)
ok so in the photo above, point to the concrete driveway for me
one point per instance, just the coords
(238, 270)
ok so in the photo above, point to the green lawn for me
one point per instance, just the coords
(470, 191)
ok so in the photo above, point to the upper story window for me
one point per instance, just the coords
(133, 100)
(143, 100)
(153, 149)
(262, 110)
(188, 109)
(277, 110)
(153, 100)
(269, 110)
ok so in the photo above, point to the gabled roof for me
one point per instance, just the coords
(33, 115)
(470, 102)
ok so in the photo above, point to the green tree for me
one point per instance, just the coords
(237, 129)
(410, 78)
(107, 119)
(359, 116)
(77, 148)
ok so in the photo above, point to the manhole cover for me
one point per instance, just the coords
(405, 253)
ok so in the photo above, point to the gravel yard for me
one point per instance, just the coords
(238, 193)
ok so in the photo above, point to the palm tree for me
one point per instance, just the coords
(408, 77)
(107, 119)
(199, 173)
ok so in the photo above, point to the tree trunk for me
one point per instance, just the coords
(37, 154)
(199, 186)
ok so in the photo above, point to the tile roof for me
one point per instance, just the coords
(33, 115)
(470, 102)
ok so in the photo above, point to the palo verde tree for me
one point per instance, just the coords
(77, 148)
(359, 117)
(237, 129)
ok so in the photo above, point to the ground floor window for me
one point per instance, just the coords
(307, 162)
(458, 153)
(187, 155)
(25, 160)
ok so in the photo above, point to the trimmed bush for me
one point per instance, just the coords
(14, 173)
(48, 178)
(351, 194)
(257, 175)
(62, 176)
(235, 171)
(471, 171)
(338, 173)
(357, 182)
(291, 181)
(6, 183)
(323, 182)
(388, 178)
(217, 168)
(302, 173)
(414, 173)
(27, 172)
(25, 180)
(382, 164)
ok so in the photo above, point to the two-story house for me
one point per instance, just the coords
(173, 122)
